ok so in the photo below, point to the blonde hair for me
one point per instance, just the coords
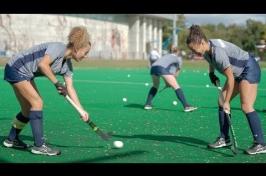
(78, 37)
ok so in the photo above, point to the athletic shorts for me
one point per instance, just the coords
(159, 70)
(251, 72)
(12, 75)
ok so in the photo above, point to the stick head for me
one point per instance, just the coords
(234, 150)
(104, 136)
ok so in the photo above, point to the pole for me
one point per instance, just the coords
(174, 30)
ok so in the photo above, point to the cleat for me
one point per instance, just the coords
(190, 108)
(148, 107)
(219, 143)
(45, 150)
(16, 143)
(256, 149)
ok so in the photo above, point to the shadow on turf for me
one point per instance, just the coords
(6, 119)
(69, 146)
(232, 108)
(112, 157)
(3, 161)
(190, 141)
(141, 106)
(30, 138)
(2, 138)
(215, 107)
(262, 110)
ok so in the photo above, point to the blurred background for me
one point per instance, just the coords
(130, 36)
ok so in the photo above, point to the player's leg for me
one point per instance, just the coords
(172, 82)
(18, 124)
(28, 92)
(152, 92)
(250, 79)
(223, 139)
(248, 93)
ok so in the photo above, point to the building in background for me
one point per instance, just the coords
(114, 36)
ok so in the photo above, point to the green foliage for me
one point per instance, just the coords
(245, 36)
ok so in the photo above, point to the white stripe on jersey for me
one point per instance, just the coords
(221, 43)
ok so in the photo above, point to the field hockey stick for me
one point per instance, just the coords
(95, 128)
(165, 87)
(234, 145)
(228, 116)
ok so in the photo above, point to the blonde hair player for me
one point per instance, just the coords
(46, 59)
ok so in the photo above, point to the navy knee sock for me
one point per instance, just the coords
(17, 126)
(180, 95)
(151, 95)
(255, 126)
(224, 125)
(36, 122)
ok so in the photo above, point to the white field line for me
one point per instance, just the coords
(140, 83)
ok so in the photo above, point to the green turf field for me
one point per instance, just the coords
(163, 135)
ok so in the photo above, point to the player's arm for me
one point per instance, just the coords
(45, 68)
(211, 68)
(225, 65)
(229, 85)
(177, 72)
(149, 63)
(71, 90)
(73, 95)
(214, 79)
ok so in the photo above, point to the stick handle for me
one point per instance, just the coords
(78, 109)
(221, 91)
(163, 89)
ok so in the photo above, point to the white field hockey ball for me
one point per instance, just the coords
(118, 144)
(124, 99)
(174, 102)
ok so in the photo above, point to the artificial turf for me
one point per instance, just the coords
(164, 134)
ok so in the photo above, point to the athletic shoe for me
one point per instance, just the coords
(45, 150)
(190, 108)
(219, 143)
(148, 107)
(256, 149)
(16, 143)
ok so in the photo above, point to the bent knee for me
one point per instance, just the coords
(246, 108)
(36, 104)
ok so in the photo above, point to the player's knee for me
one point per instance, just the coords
(37, 104)
(246, 108)
(175, 86)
